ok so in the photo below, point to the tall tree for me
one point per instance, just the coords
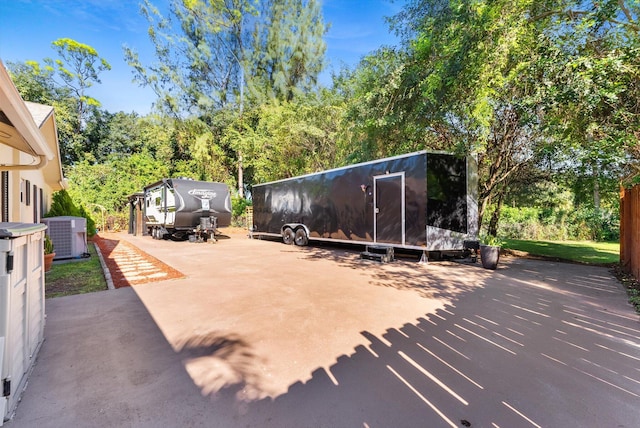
(282, 139)
(208, 51)
(79, 67)
(114, 134)
(36, 84)
(200, 48)
(109, 183)
(467, 83)
(590, 93)
(288, 49)
(517, 80)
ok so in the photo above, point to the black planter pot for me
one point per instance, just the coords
(490, 255)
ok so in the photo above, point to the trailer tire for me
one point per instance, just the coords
(301, 239)
(176, 237)
(288, 236)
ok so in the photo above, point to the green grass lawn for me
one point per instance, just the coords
(577, 251)
(76, 276)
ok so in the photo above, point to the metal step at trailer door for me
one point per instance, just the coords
(381, 253)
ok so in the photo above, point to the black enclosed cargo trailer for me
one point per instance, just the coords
(424, 201)
(177, 208)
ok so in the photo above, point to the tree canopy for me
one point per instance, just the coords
(78, 66)
(544, 93)
(208, 52)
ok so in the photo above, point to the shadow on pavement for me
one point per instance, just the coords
(517, 353)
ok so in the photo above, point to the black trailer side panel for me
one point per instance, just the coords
(195, 199)
(339, 204)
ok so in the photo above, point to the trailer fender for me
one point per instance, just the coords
(299, 233)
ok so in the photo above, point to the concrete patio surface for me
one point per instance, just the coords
(259, 334)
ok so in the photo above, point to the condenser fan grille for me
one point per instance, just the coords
(60, 234)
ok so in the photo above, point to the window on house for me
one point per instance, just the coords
(27, 189)
(36, 217)
(4, 185)
(41, 203)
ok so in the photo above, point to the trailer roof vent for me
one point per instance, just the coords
(68, 234)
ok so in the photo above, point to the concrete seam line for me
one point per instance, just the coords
(105, 269)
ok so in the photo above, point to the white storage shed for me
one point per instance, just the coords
(22, 314)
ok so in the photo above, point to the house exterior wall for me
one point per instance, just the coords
(30, 166)
(26, 196)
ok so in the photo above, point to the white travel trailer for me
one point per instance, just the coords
(176, 208)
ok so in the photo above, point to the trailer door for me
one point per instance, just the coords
(388, 215)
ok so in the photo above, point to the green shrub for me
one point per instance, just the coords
(48, 245)
(239, 205)
(117, 221)
(239, 208)
(91, 224)
(62, 205)
(520, 223)
(549, 223)
(593, 224)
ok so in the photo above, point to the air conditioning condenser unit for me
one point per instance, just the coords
(68, 235)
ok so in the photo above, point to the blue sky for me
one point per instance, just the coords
(27, 28)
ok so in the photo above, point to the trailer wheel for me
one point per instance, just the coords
(288, 236)
(301, 238)
(176, 237)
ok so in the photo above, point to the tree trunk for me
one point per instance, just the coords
(240, 176)
(495, 216)
(484, 202)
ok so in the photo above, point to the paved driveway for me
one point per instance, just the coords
(259, 334)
